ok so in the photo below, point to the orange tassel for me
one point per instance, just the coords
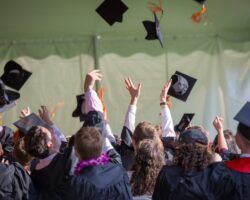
(16, 136)
(101, 96)
(196, 17)
(54, 110)
(155, 7)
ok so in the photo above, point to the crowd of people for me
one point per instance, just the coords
(146, 162)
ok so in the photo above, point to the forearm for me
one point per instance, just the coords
(130, 117)
(222, 144)
(167, 122)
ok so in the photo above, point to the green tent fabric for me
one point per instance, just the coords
(59, 41)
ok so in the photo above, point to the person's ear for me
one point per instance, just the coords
(49, 144)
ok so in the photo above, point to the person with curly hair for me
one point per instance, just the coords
(148, 162)
(191, 158)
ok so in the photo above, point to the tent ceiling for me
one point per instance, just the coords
(64, 18)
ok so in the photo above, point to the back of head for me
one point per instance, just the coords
(88, 143)
(191, 154)
(20, 154)
(244, 132)
(36, 142)
(148, 162)
(144, 130)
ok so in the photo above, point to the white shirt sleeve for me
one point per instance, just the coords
(130, 118)
(92, 102)
(108, 133)
(167, 123)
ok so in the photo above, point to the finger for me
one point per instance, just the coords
(40, 112)
(131, 83)
(139, 87)
(127, 83)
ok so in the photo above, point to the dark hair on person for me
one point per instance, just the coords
(20, 154)
(192, 156)
(148, 163)
(144, 130)
(88, 143)
(36, 142)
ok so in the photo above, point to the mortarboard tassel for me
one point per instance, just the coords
(54, 110)
(196, 17)
(101, 96)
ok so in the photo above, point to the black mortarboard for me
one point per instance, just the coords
(184, 122)
(26, 123)
(200, 1)
(192, 136)
(14, 75)
(7, 98)
(94, 119)
(153, 30)
(78, 111)
(112, 10)
(243, 117)
(181, 86)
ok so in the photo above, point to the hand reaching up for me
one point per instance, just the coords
(133, 91)
(45, 115)
(218, 124)
(25, 112)
(163, 96)
(91, 78)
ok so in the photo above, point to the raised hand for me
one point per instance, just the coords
(218, 124)
(133, 91)
(25, 112)
(91, 78)
(45, 115)
(163, 95)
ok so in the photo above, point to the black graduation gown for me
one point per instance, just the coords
(53, 181)
(126, 149)
(229, 180)
(6, 140)
(108, 182)
(15, 183)
(168, 180)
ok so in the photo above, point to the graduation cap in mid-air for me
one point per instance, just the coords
(153, 30)
(26, 123)
(243, 117)
(181, 86)
(7, 98)
(112, 11)
(14, 75)
(184, 122)
(78, 112)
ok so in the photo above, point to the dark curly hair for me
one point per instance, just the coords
(36, 141)
(192, 157)
(148, 163)
(20, 154)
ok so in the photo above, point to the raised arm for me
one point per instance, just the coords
(129, 123)
(166, 118)
(92, 101)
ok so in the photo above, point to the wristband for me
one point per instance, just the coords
(163, 103)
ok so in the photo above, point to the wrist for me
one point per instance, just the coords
(133, 101)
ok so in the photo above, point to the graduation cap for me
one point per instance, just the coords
(112, 10)
(184, 123)
(181, 86)
(200, 1)
(193, 136)
(7, 98)
(243, 117)
(78, 111)
(14, 75)
(153, 30)
(26, 123)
